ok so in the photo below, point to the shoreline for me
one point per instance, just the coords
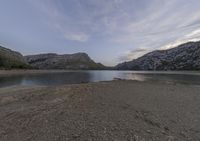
(22, 72)
(40, 71)
(101, 111)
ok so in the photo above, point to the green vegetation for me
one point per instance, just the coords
(11, 60)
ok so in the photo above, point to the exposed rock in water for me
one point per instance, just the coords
(67, 61)
(183, 57)
(11, 59)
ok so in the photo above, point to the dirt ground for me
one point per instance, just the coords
(103, 111)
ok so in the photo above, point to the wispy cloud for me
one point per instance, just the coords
(191, 37)
(130, 55)
(149, 24)
(58, 21)
(122, 21)
(81, 37)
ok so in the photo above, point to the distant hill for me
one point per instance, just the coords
(67, 61)
(183, 57)
(11, 59)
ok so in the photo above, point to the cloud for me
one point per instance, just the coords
(60, 22)
(146, 24)
(191, 37)
(81, 37)
(134, 54)
(122, 21)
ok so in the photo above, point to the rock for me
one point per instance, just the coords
(67, 61)
(183, 57)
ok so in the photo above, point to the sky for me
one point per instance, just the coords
(109, 31)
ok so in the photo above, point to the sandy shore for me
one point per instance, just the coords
(104, 111)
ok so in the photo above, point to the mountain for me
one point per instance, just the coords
(183, 57)
(67, 61)
(11, 59)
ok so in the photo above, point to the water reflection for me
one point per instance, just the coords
(57, 78)
(72, 77)
(10, 81)
(175, 78)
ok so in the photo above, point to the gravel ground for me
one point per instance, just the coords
(103, 111)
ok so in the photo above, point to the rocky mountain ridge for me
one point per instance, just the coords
(10, 59)
(66, 61)
(183, 57)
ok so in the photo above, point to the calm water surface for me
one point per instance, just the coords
(73, 77)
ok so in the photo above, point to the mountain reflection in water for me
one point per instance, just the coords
(75, 77)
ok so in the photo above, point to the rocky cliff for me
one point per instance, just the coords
(183, 57)
(11, 59)
(68, 61)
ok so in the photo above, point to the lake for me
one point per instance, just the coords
(75, 77)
